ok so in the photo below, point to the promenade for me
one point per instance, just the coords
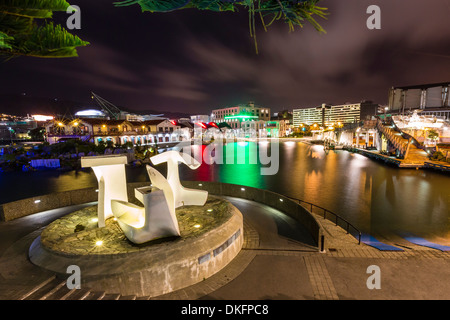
(278, 262)
(418, 162)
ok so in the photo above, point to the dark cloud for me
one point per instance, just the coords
(195, 61)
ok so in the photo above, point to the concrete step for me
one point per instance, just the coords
(96, 295)
(78, 294)
(36, 288)
(111, 296)
(42, 292)
(56, 289)
(60, 293)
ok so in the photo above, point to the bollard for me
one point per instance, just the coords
(322, 243)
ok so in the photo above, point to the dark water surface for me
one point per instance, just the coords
(376, 198)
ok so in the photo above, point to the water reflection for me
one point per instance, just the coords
(376, 198)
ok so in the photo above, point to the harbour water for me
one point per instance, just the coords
(375, 197)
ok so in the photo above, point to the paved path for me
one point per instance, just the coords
(277, 261)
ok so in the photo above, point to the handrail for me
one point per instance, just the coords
(337, 217)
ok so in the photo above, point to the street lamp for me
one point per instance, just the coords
(10, 133)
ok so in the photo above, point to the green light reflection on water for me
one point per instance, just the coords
(241, 165)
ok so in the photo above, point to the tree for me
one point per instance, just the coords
(433, 135)
(22, 35)
(292, 12)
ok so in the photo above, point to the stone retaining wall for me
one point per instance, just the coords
(157, 270)
(21, 208)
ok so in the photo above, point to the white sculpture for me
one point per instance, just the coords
(156, 219)
(182, 196)
(110, 173)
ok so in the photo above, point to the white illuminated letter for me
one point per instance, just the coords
(74, 281)
(374, 21)
(374, 281)
(74, 21)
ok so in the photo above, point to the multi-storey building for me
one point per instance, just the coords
(280, 124)
(243, 118)
(306, 116)
(326, 115)
(234, 116)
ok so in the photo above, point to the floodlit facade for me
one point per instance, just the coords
(117, 131)
(431, 99)
(326, 115)
(245, 119)
(234, 116)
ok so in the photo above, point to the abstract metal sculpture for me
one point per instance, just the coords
(156, 219)
(110, 173)
(183, 196)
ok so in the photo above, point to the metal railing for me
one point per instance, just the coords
(337, 218)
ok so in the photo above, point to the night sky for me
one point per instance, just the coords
(195, 61)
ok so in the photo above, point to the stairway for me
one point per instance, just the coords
(56, 289)
(402, 143)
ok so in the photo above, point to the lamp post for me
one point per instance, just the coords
(10, 134)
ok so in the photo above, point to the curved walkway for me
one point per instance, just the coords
(278, 261)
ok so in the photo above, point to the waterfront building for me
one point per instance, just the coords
(326, 115)
(307, 116)
(117, 131)
(280, 124)
(244, 119)
(16, 128)
(430, 99)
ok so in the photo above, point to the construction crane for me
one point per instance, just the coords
(110, 109)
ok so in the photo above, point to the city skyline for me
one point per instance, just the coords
(170, 62)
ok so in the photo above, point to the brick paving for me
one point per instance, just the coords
(337, 273)
(320, 279)
(338, 245)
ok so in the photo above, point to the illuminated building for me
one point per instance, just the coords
(244, 119)
(326, 115)
(431, 99)
(117, 131)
